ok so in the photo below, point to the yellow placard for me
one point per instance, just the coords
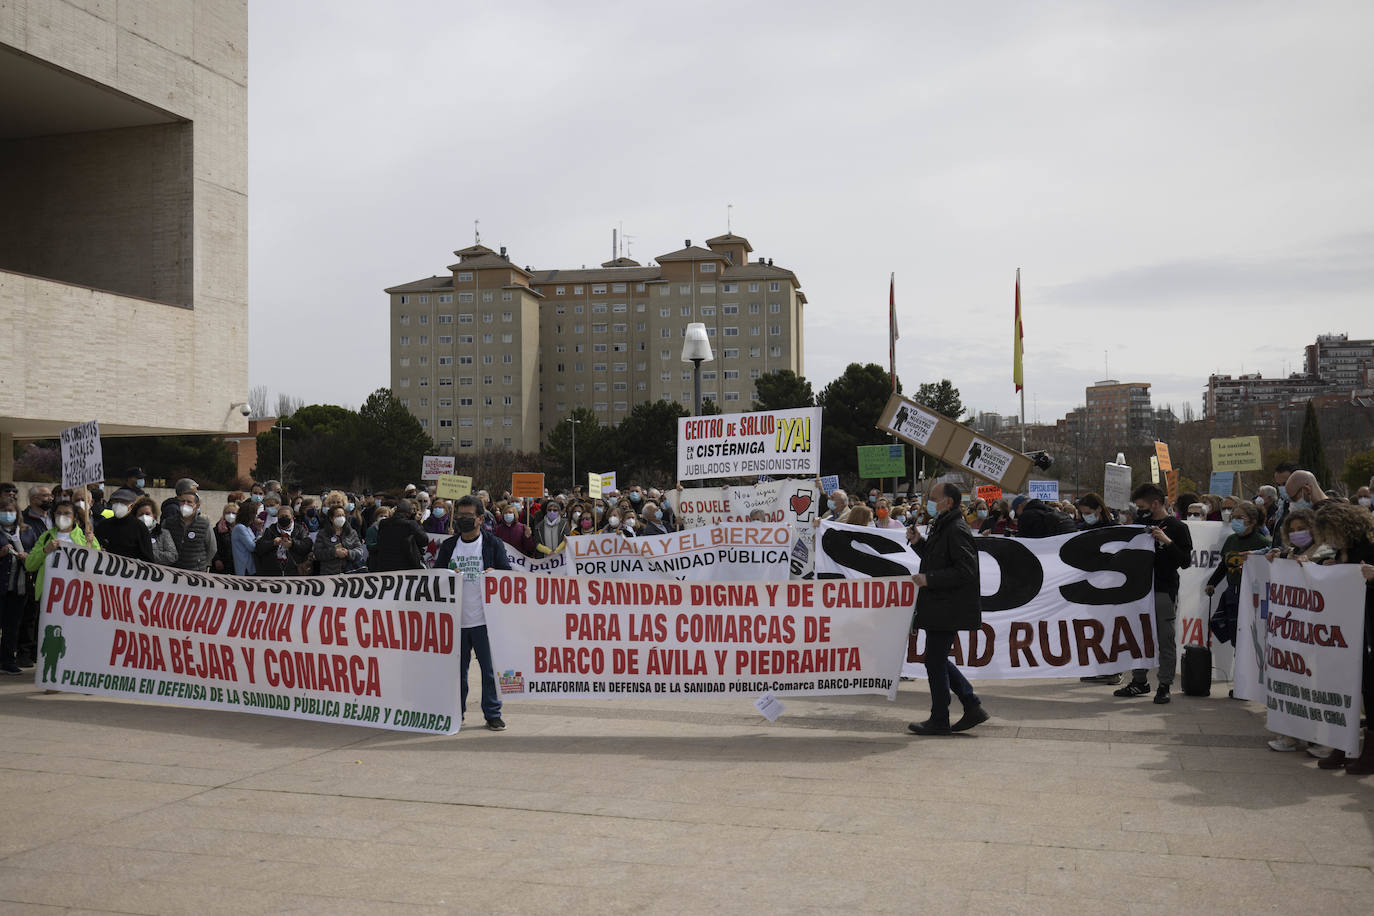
(1162, 453)
(594, 486)
(527, 486)
(453, 486)
(1239, 454)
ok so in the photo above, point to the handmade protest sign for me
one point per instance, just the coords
(527, 486)
(882, 461)
(82, 459)
(746, 444)
(954, 443)
(1075, 604)
(719, 553)
(1300, 648)
(453, 486)
(561, 636)
(374, 650)
(434, 466)
(1241, 453)
(1043, 489)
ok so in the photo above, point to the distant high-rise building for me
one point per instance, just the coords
(1334, 367)
(1339, 361)
(1116, 414)
(494, 355)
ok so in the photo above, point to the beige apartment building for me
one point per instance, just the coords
(124, 181)
(494, 355)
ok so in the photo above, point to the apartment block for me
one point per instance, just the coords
(493, 355)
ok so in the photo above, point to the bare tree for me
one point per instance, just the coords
(287, 405)
(257, 401)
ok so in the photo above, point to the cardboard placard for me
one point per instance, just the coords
(830, 483)
(435, 466)
(989, 493)
(1241, 453)
(527, 486)
(882, 461)
(1116, 485)
(597, 484)
(83, 461)
(1222, 483)
(955, 444)
(1162, 453)
(1171, 484)
(453, 486)
(1043, 490)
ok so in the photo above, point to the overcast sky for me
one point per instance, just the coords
(1186, 187)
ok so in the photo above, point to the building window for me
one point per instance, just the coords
(578, 309)
(466, 443)
(446, 319)
(665, 332)
(486, 338)
(405, 362)
(447, 360)
(708, 311)
(405, 319)
(507, 380)
(686, 311)
(708, 376)
(732, 395)
(464, 297)
(445, 340)
(488, 380)
(579, 329)
(599, 327)
(424, 423)
(405, 402)
(507, 296)
(708, 288)
(405, 341)
(773, 286)
(507, 358)
(663, 290)
(731, 332)
(405, 300)
(488, 295)
(465, 338)
(774, 308)
(755, 352)
(488, 317)
(753, 308)
(775, 351)
(617, 287)
(639, 287)
(424, 381)
(774, 330)
(447, 382)
(445, 297)
(755, 373)
(598, 308)
(619, 327)
(488, 359)
(424, 319)
(424, 340)
(465, 276)
(577, 290)
(445, 423)
(598, 367)
(465, 318)
(508, 400)
(684, 289)
(598, 386)
(424, 300)
(465, 360)
(507, 338)
(729, 287)
(598, 289)
(599, 348)
(728, 374)
(754, 331)
(424, 360)
(664, 354)
(405, 382)
(753, 287)
(620, 386)
(620, 307)
(729, 352)
(560, 291)
(708, 268)
(730, 309)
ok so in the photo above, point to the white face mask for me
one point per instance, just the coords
(229, 518)
(629, 524)
(1225, 515)
(148, 521)
(613, 521)
(64, 523)
(121, 510)
(339, 520)
(81, 504)
(508, 517)
(1364, 501)
(187, 511)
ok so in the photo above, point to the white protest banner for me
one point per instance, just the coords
(553, 564)
(1194, 606)
(1306, 634)
(568, 636)
(82, 459)
(1043, 489)
(721, 553)
(1071, 605)
(375, 650)
(745, 444)
(435, 466)
(791, 502)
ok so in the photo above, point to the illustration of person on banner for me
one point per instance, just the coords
(948, 600)
(470, 554)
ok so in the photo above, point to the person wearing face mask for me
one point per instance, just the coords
(629, 523)
(999, 520)
(612, 521)
(283, 546)
(38, 515)
(510, 529)
(243, 537)
(121, 533)
(652, 520)
(192, 533)
(337, 547)
(1294, 539)
(63, 531)
(159, 543)
(948, 600)
(271, 505)
(224, 547)
(636, 496)
(836, 507)
(470, 554)
(439, 521)
(666, 517)
(882, 514)
(1094, 512)
(551, 534)
(1228, 508)
(1173, 551)
(1362, 498)
(1245, 539)
(16, 542)
(172, 504)
(1303, 491)
(1197, 512)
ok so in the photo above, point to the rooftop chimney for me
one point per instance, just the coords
(503, 251)
(687, 243)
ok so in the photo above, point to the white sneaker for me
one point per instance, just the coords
(1283, 743)
(1319, 751)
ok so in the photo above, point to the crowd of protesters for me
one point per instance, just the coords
(269, 530)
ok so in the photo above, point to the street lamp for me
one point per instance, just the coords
(574, 421)
(696, 349)
(281, 462)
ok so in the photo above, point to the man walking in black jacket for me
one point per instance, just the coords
(1173, 551)
(948, 600)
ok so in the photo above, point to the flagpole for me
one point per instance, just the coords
(1018, 371)
(892, 348)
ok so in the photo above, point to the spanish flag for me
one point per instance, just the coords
(1017, 343)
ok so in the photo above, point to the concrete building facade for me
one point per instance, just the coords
(124, 171)
(494, 355)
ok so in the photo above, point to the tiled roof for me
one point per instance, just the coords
(594, 275)
(694, 253)
(422, 286)
(729, 239)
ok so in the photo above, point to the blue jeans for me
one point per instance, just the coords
(474, 639)
(943, 677)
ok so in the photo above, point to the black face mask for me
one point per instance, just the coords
(46, 505)
(1144, 516)
(466, 523)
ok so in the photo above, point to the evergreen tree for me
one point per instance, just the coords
(1311, 452)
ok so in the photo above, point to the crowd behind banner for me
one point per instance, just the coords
(273, 531)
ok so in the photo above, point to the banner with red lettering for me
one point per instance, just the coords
(1071, 605)
(553, 564)
(795, 503)
(375, 649)
(1300, 648)
(564, 636)
(748, 444)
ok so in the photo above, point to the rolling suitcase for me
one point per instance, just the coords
(1196, 673)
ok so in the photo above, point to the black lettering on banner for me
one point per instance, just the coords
(1021, 573)
(1085, 552)
(839, 546)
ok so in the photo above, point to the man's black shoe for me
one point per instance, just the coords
(1162, 694)
(24, 662)
(496, 725)
(11, 669)
(928, 728)
(975, 716)
(1133, 689)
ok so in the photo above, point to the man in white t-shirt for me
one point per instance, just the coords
(470, 554)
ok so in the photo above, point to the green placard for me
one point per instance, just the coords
(882, 460)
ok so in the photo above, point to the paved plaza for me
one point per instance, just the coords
(1068, 801)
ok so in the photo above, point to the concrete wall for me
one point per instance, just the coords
(167, 369)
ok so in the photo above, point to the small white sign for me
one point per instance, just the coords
(436, 466)
(82, 459)
(769, 706)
